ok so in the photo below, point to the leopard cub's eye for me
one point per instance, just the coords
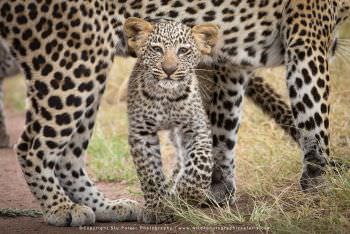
(183, 50)
(157, 49)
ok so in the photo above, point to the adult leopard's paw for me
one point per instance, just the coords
(70, 215)
(312, 179)
(222, 193)
(120, 210)
(149, 216)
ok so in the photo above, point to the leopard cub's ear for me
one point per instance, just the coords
(137, 30)
(206, 36)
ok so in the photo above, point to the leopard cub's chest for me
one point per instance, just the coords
(164, 114)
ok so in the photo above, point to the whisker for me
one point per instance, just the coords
(338, 53)
(343, 39)
(344, 46)
(344, 50)
(341, 57)
(345, 54)
(199, 69)
(207, 79)
(347, 46)
(343, 42)
(204, 90)
(213, 84)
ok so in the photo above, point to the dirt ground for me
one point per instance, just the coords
(14, 193)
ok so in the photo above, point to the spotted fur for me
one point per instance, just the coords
(159, 99)
(65, 50)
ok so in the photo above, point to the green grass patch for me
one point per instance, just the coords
(109, 158)
(14, 93)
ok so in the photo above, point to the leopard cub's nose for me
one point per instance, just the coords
(169, 68)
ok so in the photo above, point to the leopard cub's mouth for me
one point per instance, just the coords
(168, 83)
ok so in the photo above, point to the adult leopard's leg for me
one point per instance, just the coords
(262, 95)
(225, 115)
(43, 140)
(41, 144)
(79, 187)
(308, 82)
(64, 68)
(272, 104)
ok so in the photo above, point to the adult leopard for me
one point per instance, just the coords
(65, 50)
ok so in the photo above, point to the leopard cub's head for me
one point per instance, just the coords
(169, 51)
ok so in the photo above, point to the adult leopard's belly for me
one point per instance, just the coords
(249, 30)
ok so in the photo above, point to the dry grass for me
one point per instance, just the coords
(268, 162)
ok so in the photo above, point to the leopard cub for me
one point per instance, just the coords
(163, 93)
